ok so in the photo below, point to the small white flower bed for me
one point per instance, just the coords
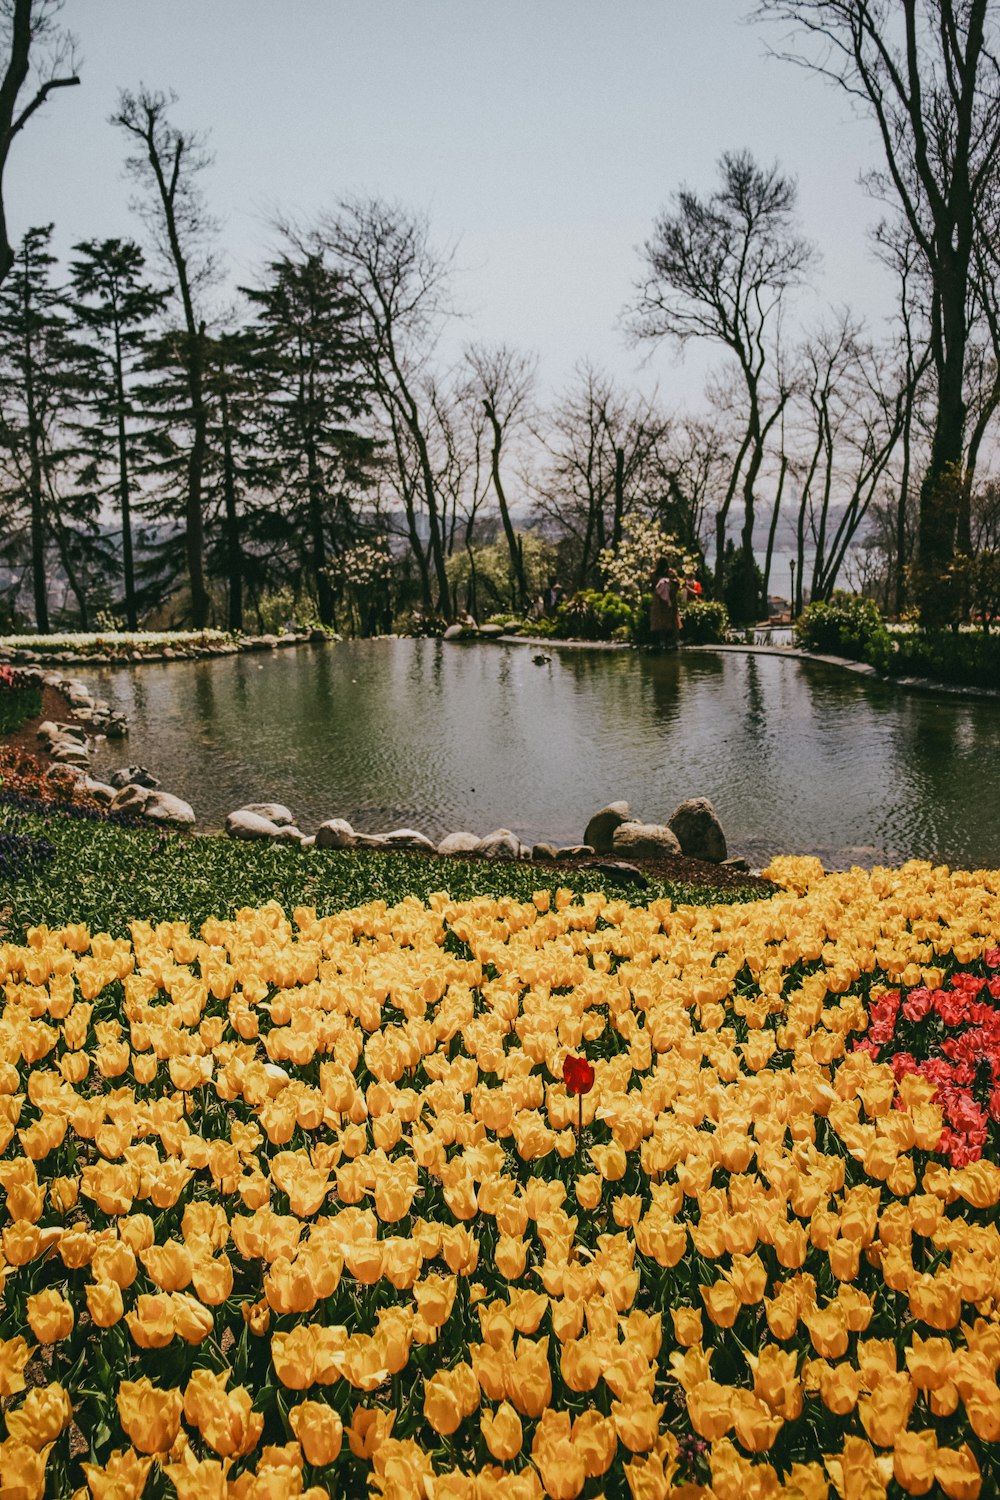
(114, 639)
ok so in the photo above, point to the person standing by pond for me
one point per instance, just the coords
(664, 606)
(553, 596)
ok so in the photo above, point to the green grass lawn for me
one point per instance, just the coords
(107, 876)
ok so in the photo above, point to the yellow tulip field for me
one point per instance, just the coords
(496, 1200)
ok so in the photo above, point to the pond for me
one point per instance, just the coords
(797, 757)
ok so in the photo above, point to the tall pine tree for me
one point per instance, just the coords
(112, 305)
(165, 162)
(314, 396)
(238, 474)
(35, 390)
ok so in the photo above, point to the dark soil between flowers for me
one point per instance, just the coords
(56, 707)
(676, 869)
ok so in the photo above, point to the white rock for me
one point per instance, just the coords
(458, 843)
(645, 840)
(335, 833)
(130, 799)
(164, 807)
(409, 838)
(287, 833)
(69, 752)
(99, 789)
(500, 844)
(247, 825)
(370, 841)
(274, 812)
(52, 730)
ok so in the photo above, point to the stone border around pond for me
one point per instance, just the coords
(693, 831)
(861, 668)
(793, 653)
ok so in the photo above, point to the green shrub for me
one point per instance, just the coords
(279, 607)
(417, 624)
(20, 699)
(592, 616)
(743, 585)
(846, 626)
(705, 622)
(969, 658)
(544, 627)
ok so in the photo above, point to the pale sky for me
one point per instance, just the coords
(540, 136)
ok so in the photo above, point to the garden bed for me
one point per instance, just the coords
(521, 1195)
(56, 708)
(131, 648)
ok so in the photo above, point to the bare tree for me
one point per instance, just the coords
(719, 268)
(460, 445)
(608, 455)
(29, 35)
(982, 366)
(898, 250)
(928, 72)
(779, 493)
(697, 467)
(856, 396)
(165, 163)
(504, 381)
(399, 285)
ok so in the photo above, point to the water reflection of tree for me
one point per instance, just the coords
(756, 714)
(204, 695)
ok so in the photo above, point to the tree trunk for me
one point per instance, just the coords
(406, 488)
(433, 520)
(471, 602)
(194, 516)
(128, 565)
(77, 588)
(15, 73)
(722, 515)
(941, 491)
(616, 528)
(234, 559)
(819, 561)
(39, 580)
(757, 441)
(516, 561)
(324, 592)
(901, 504)
(774, 525)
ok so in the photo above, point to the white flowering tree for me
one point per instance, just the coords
(364, 572)
(628, 569)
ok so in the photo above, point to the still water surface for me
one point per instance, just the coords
(797, 757)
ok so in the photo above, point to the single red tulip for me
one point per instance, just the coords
(578, 1075)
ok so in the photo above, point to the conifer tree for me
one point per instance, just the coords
(315, 395)
(112, 305)
(35, 387)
